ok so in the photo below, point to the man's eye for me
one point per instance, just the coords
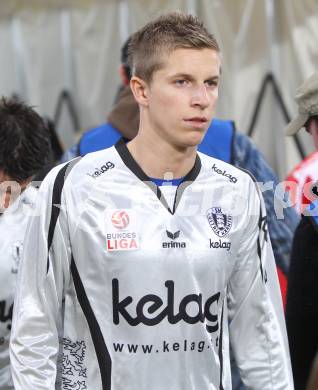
(212, 83)
(181, 82)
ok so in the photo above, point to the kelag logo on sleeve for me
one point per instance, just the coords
(99, 171)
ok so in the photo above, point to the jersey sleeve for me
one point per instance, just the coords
(281, 231)
(256, 321)
(37, 317)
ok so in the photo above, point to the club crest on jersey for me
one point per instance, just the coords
(219, 222)
(121, 238)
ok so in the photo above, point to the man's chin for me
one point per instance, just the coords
(195, 137)
(192, 142)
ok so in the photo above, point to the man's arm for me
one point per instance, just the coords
(37, 318)
(281, 231)
(257, 327)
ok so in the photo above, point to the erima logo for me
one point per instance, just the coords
(99, 171)
(151, 310)
(173, 244)
(232, 179)
(173, 236)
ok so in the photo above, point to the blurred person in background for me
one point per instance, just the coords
(302, 180)
(24, 151)
(122, 121)
(302, 295)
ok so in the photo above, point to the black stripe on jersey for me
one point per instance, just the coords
(103, 357)
(136, 169)
(261, 222)
(188, 179)
(259, 248)
(56, 201)
(221, 350)
(233, 154)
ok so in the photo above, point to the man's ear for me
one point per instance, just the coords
(140, 90)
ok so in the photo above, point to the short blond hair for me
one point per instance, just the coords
(162, 36)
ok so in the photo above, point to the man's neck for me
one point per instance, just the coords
(159, 159)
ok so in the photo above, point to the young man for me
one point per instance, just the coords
(143, 283)
(221, 141)
(24, 150)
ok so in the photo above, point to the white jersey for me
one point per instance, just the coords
(13, 224)
(135, 295)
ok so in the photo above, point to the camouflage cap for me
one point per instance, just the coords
(307, 100)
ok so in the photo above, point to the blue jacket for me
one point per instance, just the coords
(217, 142)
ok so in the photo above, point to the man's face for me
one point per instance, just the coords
(9, 190)
(182, 96)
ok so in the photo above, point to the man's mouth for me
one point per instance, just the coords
(197, 121)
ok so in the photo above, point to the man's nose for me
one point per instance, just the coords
(200, 97)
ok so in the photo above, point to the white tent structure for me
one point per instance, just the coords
(67, 51)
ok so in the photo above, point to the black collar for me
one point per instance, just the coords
(132, 165)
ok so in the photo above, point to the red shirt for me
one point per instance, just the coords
(303, 184)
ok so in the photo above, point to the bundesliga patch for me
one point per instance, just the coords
(121, 231)
(220, 223)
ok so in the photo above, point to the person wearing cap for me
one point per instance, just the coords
(305, 175)
(302, 293)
